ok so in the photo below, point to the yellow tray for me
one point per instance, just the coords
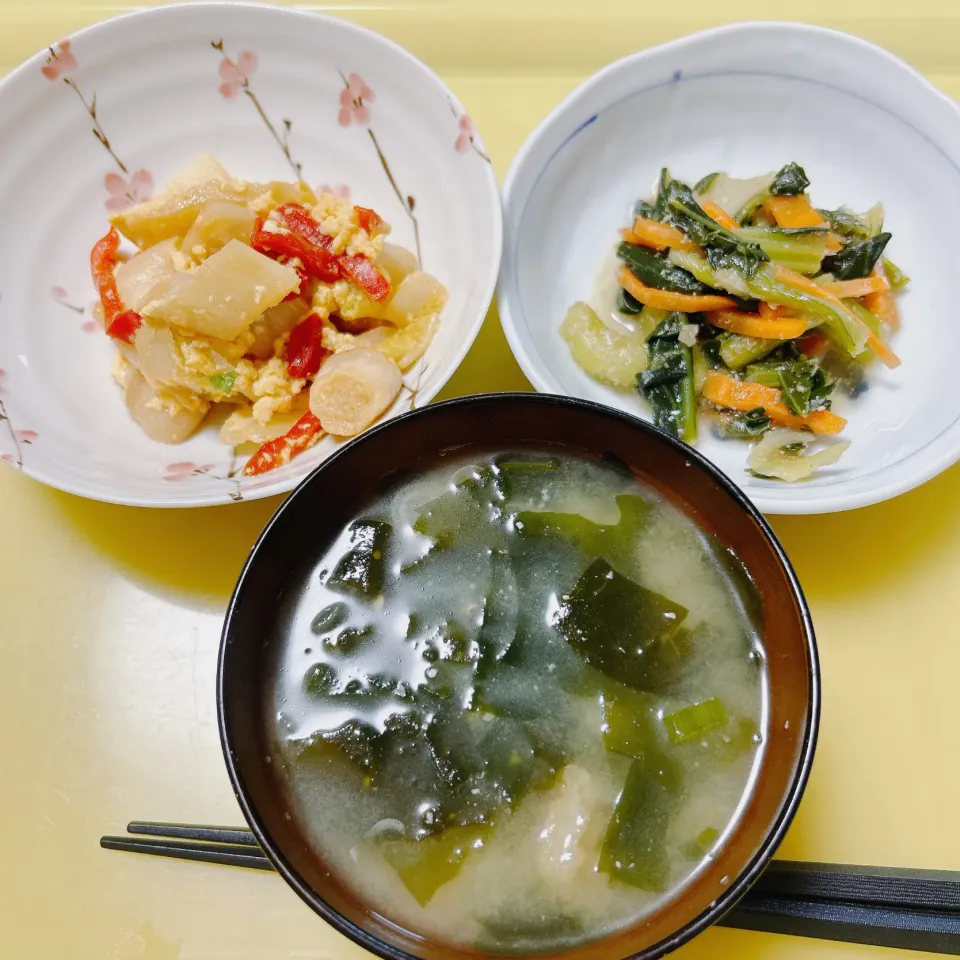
(111, 615)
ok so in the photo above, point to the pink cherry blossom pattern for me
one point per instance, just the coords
(353, 101)
(341, 190)
(60, 63)
(184, 470)
(236, 74)
(467, 131)
(92, 326)
(127, 193)
(17, 437)
(63, 298)
(467, 136)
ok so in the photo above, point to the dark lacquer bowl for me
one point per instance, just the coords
(305, 525)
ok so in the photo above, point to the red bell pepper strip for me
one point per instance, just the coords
(368, 219)
(304, 280)
(306, 232)
(304, 434)
(305, 350)
(300, 220)
(367, 276)
(120, 322)
(317, 261)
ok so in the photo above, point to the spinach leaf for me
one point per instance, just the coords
(855, 226)
(684, 211)
(657, 271)
(790, 181)
(667, 383)
(657, 209)
(795, 384)
(626, 303)
(821, 386)
(803, 383)
(858, 259)
(753, 423)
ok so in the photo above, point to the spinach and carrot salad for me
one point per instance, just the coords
(741, 300)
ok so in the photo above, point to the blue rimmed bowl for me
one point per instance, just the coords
(746, 99)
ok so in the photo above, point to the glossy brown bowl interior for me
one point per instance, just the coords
(315, 513)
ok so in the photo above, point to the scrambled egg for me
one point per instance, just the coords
(345, 299)
(269, 386)
(193, 370)
(338, 219)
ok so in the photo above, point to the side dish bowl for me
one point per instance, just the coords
(284, 562)
(745, 99)
(101, 120)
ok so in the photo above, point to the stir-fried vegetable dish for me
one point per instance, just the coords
(742, 300)
(284, 311)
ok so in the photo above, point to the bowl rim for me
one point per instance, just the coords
(486, 288)
(559, 403)
(938, 455)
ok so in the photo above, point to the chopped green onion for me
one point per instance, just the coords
(695, 721)
(224, 382)
(701, 845)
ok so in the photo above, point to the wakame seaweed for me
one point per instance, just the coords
(620, 628)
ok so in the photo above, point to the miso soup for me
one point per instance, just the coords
(521, 701)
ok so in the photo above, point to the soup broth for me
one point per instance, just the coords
(521, 701)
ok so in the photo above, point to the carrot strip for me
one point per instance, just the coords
(658, 236)
(883, 304)
(834, 242)
(857, 288)
(668, 300)
(886, 355)
(805, 285)
(814, 343)
(724, 391)
(716, 212)
(754, 325)
(771, 312)
(304, 434)
(793, 212)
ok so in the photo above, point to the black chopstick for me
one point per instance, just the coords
(927, 930)
(879, 886)
(880, 906)
(231, 855)
(189, 831)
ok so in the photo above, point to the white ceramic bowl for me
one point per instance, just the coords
(168, 85)
(747, 99)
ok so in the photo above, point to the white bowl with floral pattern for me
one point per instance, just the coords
(100, 120)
